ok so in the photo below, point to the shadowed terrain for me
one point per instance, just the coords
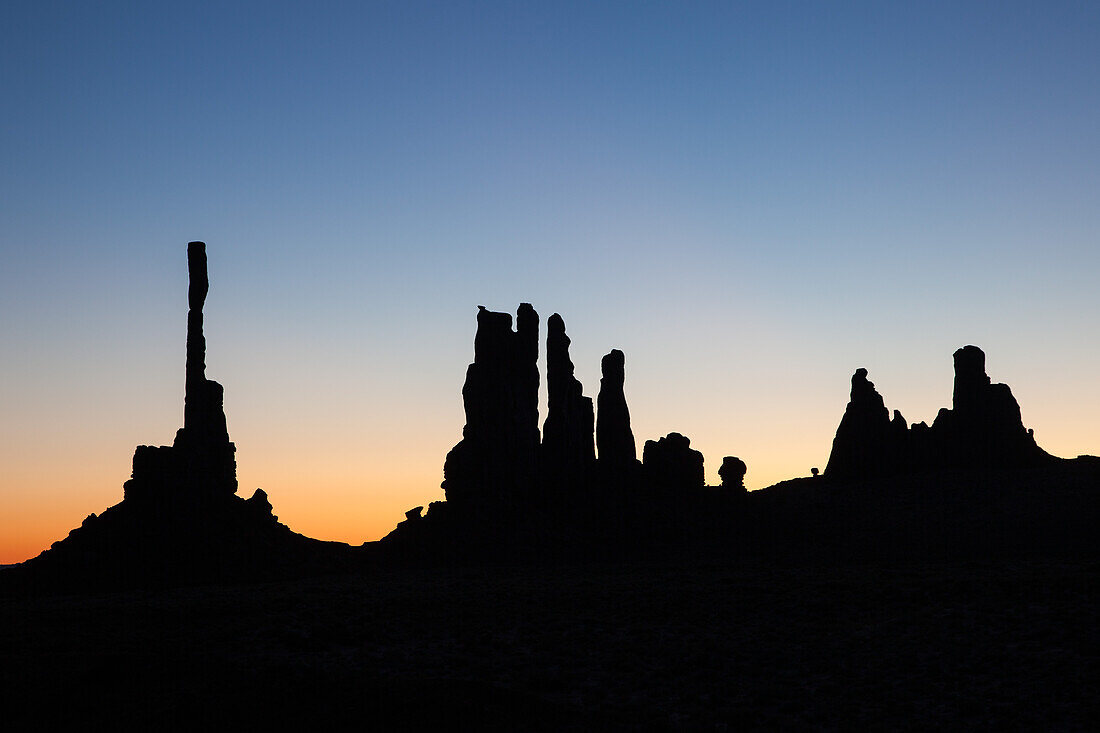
(993, 646)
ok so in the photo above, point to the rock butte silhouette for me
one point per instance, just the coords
(982, 430)
(973, 484)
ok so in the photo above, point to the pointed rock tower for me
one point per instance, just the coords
(496, 459)
(568, 451)
(201, 460)
(614, 438)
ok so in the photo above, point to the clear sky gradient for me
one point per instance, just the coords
(751, 200)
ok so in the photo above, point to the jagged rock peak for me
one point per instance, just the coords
(866, 439)
(614, 438)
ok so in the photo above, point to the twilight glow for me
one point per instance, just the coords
(749, 201)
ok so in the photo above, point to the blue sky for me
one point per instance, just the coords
(751, 199)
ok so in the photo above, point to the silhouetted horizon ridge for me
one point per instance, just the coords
(577, 486)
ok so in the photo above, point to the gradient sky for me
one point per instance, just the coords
(750, 199)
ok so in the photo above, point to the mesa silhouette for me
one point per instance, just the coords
(973, 484)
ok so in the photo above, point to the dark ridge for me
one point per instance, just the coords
(974, 484)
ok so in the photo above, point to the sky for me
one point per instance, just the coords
(751, 200)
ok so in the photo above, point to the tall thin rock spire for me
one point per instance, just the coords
(194, 401)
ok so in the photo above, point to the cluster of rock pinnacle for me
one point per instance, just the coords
(181, 511)
(502, 465)
(501, 460)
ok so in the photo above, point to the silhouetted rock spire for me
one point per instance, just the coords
(568, 435)
(203, 441)
(971, 381)
(201, 460)
(568, 450)
(865, 442)
(671, 463)
(498, 451)
(614, 439)
(195, 402)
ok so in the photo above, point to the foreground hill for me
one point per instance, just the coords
(658, 645)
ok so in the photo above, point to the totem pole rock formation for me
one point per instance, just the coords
(732, 473)
(982, 430)
(497, 456)
(672, 463)
(614, 439)
(181, 519)
(201, 460)
(568, 451)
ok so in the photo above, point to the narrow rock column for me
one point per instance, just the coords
(194, 400)
(971, 381)
(568, 448)
(527, 384)
(614, 438)
(867, 443)
(206, 456)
